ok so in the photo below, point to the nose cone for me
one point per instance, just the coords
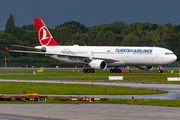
(170, 59)
(174, 58)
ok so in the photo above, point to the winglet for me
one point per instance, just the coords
(7, 48)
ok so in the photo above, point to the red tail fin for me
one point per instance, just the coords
(45, 37)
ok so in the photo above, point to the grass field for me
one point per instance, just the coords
(151, 77)
(78, 89)
(71, 89)
(65, 89)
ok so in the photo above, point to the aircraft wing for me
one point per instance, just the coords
(25, 47)
(107, 59)
(46, 53)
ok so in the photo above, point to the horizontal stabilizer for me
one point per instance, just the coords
(25, 47)
(7, 48)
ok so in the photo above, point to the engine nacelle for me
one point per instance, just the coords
(43, 49)
(98, 64)
(145, 67)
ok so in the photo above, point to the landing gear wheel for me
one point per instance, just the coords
(160, 71)
(115, 70)
(84, 70)
(88, 70)
(111, 70)
(119, 71)
(92, 70)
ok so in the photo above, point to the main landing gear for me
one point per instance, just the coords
(115, 70)
(88, 70)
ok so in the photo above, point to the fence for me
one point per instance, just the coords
(25, 65)
(28, 65)
(174, 64)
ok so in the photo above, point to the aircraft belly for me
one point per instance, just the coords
(138, 59)
(159, 61)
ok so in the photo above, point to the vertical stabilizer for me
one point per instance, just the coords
(45, 37)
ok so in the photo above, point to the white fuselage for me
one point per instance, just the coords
(123, 56)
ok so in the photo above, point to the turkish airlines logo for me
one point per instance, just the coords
(44, 36)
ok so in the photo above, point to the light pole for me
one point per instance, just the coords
(5, 61)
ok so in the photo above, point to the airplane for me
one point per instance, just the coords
(99, 57)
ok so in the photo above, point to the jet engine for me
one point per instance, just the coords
(145, 67)
(98, 64)
(43, 49)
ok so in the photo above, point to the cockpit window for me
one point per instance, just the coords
(167, 53)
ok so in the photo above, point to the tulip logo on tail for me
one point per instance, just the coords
(43, 36)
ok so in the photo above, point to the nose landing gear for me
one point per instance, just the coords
(160, 69)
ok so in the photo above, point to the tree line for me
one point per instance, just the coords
(72, 32)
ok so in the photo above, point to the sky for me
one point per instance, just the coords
(89, 12)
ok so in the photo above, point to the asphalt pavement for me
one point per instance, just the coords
(87, 112)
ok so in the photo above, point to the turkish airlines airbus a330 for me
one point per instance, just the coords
(100, 57)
